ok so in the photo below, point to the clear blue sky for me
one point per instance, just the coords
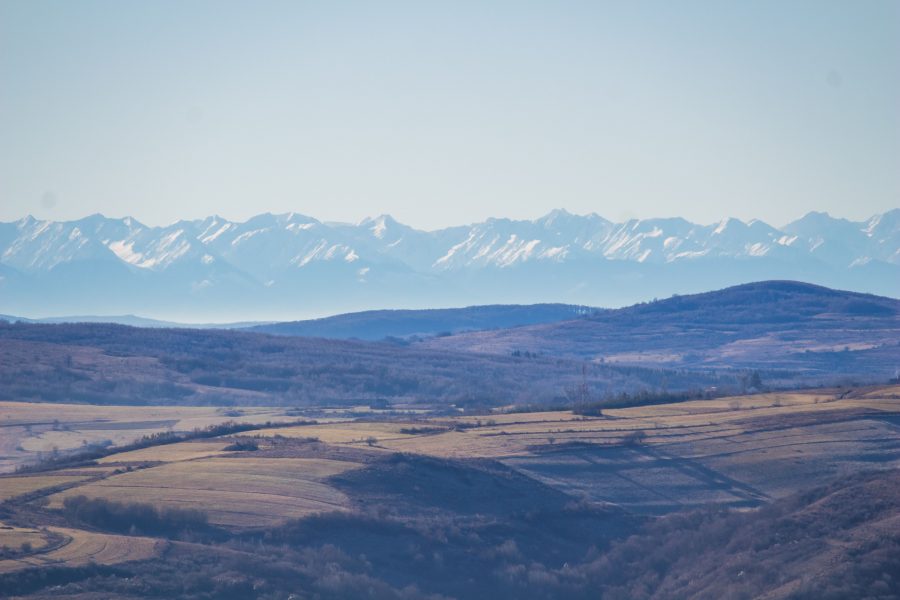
(447, 113)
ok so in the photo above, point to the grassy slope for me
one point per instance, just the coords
(759, 325)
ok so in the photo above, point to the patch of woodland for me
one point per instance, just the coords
(137, 518)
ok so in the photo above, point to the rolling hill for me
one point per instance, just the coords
(380, 324)
(116, 364)
(795, 334)
(764, 325)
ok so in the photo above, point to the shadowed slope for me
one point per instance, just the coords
(768, 324)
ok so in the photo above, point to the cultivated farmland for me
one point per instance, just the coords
(739, 450)
(13, 538)
(168, 453)
(235, 492)
(499, 486)
(12, 486)
(80, 548)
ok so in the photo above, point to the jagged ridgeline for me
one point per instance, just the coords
(282, 266)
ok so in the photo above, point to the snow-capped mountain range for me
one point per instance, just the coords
(291, 265)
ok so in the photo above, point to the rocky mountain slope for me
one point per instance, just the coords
(294, 266)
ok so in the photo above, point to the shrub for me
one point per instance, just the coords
(242, 446)
(634, 438)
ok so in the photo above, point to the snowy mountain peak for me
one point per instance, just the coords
(379, 225)
(276, 252)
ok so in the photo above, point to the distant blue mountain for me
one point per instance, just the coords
(131, 320)
(279, 267)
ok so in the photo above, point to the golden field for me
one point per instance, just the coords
(167, 453)
(739, 451)
(513, 434)
(14, 537)
(13, 486)
(238, 492)
(84, 547)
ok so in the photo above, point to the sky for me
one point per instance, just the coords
(446, 113)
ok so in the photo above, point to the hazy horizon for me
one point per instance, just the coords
(445, 114)
(376, 215)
